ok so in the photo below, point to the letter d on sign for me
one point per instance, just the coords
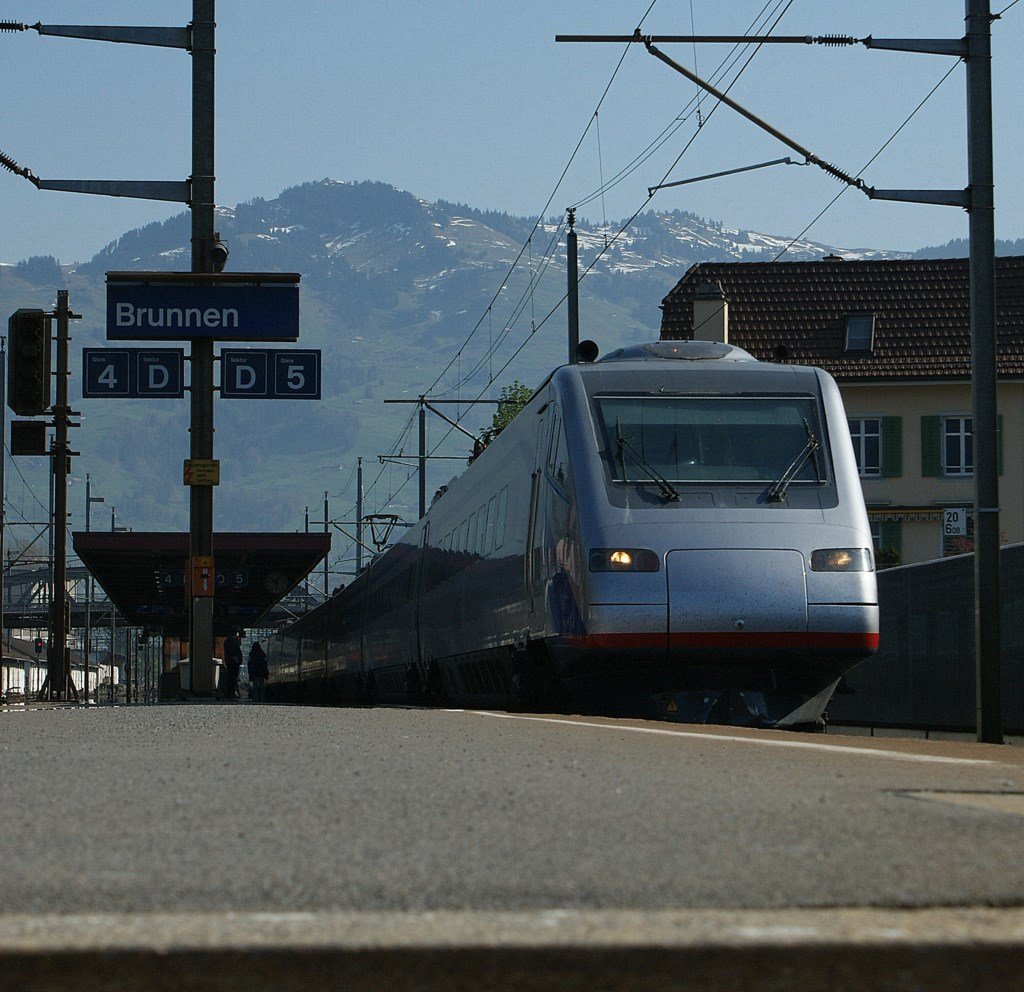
(245, 377)
(158, 376)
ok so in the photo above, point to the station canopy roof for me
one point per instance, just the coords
(144, 573)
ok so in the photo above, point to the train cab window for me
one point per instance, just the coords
(710, 439)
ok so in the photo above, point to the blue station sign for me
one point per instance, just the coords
(172, 306)
(133, 373)
(268, 374)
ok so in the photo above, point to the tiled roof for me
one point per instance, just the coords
(796, 312)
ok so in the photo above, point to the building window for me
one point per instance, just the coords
(866, 433)
(860, 332)
(887, 537)
(957, 446)
(878, 446)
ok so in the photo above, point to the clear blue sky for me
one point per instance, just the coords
(472, 100)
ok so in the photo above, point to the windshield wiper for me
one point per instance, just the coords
(668, 491)
(777, 493)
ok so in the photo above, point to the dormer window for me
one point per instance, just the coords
(860, 332)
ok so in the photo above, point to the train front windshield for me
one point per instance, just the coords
(711, 439)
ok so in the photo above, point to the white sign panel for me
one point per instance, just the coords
(954, 521)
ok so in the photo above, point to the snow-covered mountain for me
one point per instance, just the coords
(402, 296)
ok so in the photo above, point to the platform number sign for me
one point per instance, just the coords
(133, 373)
(269, 374)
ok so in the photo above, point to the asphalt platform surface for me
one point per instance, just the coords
(428, 824)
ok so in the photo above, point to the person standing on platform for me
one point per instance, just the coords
(258, 673)
(232, 663)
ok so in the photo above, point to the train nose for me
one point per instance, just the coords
(726, 598)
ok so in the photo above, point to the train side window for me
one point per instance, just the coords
(489, 526)
(481, 523)
(556, 451)
(471, 534)
(499, 523)
(556, 423)
(462, 535)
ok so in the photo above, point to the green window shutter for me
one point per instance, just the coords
(931, 446)
(999, 443)
(892, 447)
(890, 537)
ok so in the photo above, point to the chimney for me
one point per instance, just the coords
(710, 313)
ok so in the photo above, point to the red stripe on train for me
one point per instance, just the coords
(730, 639)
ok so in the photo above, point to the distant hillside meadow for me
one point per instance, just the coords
(393, 290)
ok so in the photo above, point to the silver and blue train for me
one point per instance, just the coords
(675, 531)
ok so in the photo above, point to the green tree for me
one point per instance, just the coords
(512, 399)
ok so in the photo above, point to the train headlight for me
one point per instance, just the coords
(624, 560)
(841, 560)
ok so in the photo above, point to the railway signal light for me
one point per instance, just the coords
(39, 645)
(28, 374)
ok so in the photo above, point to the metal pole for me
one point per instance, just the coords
(87, 634)
(52, 666)
(201, 425)
(61, 460)
(113, 621)
(3, 482)
(89, 500)
(574, 287)
(423, 459)
(327, 528)
(987, 619)
(359, 515)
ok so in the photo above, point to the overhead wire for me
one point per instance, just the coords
(726, 65)
(17, 468)
(534, 279)
(775, 17)
(670, 129)
(547, 204)
(528, 245)
(696, 69)
(870, 161)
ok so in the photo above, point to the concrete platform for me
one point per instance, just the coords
(839, 950)
(266, 847)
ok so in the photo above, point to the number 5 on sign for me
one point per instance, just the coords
(297, 375)
(270, 374)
